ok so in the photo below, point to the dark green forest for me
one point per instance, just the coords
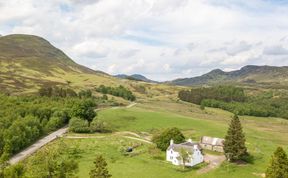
(221, 93)
(24, 119)
(235, 100)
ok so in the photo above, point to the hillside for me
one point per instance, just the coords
(28, 62)
(269, 76)
(136, 77)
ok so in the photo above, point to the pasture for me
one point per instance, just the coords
(263, 135)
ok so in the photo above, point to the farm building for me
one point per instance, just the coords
(173, 153)
(210, 143)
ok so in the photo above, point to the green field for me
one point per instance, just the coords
(263, 136)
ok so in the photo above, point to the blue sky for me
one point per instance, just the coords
(162, 39)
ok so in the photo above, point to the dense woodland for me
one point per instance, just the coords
(221, 93)
(233, 99)
(119, 91)
(24, 119)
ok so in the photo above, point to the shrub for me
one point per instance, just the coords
(84, 110)
(98, 126)
(162, 140)
(54, 123)
(78, 125)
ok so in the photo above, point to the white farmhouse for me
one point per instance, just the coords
(173, 153)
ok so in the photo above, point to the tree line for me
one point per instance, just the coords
(221, 93)
(276, 107)
(119, 91)
(233, 99)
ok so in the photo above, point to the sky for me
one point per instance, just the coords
(161, 39)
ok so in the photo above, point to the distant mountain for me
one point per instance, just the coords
(136, 77)
(36, 53)
(28, 62)
(249, 75)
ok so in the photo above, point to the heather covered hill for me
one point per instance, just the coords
(28, 62)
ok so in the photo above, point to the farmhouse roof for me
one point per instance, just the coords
(186, 146)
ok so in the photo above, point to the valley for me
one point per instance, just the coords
(43, 90)
(194, 123)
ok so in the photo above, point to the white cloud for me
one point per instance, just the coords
(275, 50)
(162, 39)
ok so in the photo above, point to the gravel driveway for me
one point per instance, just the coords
(213, 161)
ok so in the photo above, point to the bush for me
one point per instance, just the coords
(14, 171)
(162, 140)
(98, 126)
(53, 123)
(78, 125)
(155, 152)
(105, 97)
(56, 92)
(84, 110)
(85, 94)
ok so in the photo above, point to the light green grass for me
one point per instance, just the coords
(120, 166)
(261, 141)
(136, 119)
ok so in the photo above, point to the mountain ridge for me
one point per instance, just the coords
(251, 74)
(137, 77)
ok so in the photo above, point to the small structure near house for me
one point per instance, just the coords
(213, 144)
(173, 153)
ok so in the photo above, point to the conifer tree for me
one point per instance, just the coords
(278, 167)
(100, 169)
(234, 144)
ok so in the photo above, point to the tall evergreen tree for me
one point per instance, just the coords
(278, 167)
(234, 145)
(100, 169)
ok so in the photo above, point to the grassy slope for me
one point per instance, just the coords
(28, 62)
(263, 136)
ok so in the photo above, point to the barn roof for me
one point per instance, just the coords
(212, 141)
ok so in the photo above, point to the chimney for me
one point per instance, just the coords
(190, 140)
(171, 142)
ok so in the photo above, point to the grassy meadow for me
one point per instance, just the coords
(263, 136)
